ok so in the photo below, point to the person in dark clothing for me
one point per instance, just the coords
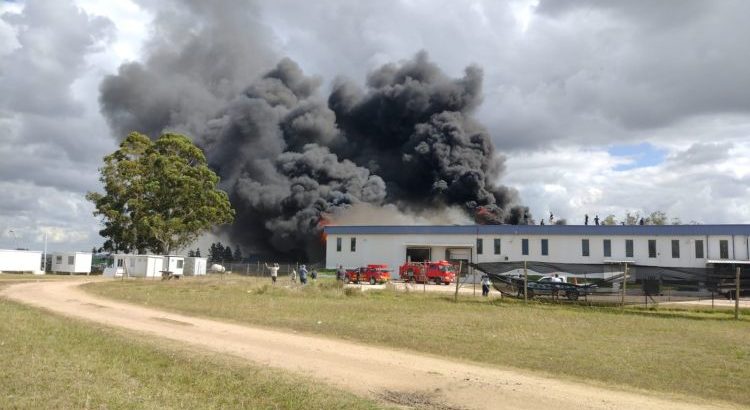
(485, 285)
(586, 219)
(596, 220)
(641, 222)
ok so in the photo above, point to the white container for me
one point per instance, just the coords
(195, 266)
(71, 262)
(21, 261)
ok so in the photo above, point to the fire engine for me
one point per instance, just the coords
(440, 272)
(370, 273)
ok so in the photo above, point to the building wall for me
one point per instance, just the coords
(20, 261)
(81, 262)
(391, 248)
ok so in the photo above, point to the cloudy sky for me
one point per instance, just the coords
(600, 107)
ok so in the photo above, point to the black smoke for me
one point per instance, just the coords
(289, 159)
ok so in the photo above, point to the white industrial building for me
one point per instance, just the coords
(71, 262)
(674, 246)
(147, 266)
(195, 266)
(19, 261)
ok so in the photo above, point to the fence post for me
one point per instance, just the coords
(525, 283)
(624, 285)
(458, 279)
(737, 295)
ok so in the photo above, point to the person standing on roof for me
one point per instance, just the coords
(485, 285)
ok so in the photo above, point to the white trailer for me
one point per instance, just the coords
(148, 266)
(174, 264)
(21, 261)
(71, 262)
(195, 266)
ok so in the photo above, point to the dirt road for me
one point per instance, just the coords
(390, 375)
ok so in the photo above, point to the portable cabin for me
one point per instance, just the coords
(71, 262)
(21, 261)
(195, 266)
(148, 266)
(174, 264)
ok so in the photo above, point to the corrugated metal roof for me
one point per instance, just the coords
(586, 230)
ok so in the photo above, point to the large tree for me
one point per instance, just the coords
(159, 195)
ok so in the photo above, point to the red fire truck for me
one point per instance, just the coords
(370, 273)
(440, 272)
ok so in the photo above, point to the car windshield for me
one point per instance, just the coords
(446, 268)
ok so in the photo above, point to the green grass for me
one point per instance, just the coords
(53, 362)
(702, 353)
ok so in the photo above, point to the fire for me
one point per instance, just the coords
(322, 223)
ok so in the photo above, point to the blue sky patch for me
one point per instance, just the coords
(639, 155)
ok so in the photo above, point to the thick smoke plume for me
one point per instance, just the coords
(405, 145)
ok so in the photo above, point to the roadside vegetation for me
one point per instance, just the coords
(53, 362)
(648, 349)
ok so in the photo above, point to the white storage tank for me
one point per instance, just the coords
(21, 261)
(71, 262)
(195, 266)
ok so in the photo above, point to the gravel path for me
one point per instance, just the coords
(389, 375)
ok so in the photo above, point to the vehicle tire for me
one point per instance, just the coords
(572, 295)
(372, 281)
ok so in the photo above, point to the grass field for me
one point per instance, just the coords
(702, 353)
(53, 362)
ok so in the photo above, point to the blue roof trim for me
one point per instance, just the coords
(619, 230)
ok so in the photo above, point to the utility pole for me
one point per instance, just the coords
(624, 285)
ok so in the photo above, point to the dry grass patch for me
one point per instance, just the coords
(57, 363)
(698, 353)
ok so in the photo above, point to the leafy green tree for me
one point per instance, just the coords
(609, 220)
(228, 257)
(198, 252)
(159, 195)
(237, 254)
(657, 218)
(191, 253)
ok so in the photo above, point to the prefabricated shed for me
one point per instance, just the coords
(174, 264)
(21, 261)
(149, 266)
(71, 262)
(195, 266)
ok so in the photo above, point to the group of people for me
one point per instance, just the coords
(274, 270)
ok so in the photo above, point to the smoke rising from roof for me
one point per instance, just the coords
(407, 144)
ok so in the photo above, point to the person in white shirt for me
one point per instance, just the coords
(274, 269)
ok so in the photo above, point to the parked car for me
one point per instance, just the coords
(440, 272)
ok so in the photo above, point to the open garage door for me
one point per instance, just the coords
(418, 254)
(459, 254)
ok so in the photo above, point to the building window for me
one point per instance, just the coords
(584, 247)
(524, 246)
(675, 248)
(338, 244)
(353, 245)
(480, 246)
(652, 248)
(699, 249)
(71, 260)
(58, 259)
(607, 248)
(180, 262)
(628, 248)
(723, 249)
(119, 263)
(545, 247)
(497, 246)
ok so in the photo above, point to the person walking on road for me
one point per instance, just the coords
(485, 285)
